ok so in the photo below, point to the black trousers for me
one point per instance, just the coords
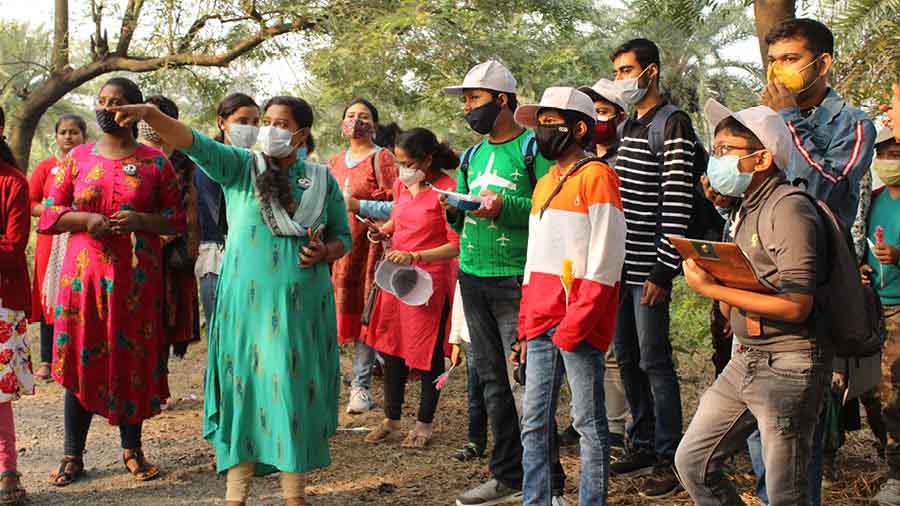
(78, 423)
(396, 373)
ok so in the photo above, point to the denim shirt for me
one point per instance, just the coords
(835, 145)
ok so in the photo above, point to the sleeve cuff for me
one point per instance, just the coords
(662, 276)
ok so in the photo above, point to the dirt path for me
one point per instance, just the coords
(361, 474)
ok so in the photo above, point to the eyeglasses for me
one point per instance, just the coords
(724, 149)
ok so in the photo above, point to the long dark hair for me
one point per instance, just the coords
(230, 105)
(276, 183)
(74, 118)
(6, 153)
(132, 93)
(359, 100)
(421, 143)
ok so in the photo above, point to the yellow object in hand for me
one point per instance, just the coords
(790, 78)
(567, 276)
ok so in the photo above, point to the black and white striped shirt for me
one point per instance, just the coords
(657, 200)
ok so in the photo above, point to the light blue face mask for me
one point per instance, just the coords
(726, 178)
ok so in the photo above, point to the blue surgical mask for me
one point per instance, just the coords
(726, 178)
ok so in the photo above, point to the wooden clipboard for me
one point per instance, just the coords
(722, 260)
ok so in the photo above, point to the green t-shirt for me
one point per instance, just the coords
(489, 248)
(885, 212)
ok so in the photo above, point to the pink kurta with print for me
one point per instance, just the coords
(108, 345)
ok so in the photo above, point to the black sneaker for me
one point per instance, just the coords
(662, 484)
(569, 437)
(633, 465)
(469, 452)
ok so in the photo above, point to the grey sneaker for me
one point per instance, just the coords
(489, 493)
(889, 495)
(360, 401)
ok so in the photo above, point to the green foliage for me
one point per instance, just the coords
(399, 54)
(690, 320)
(867, 38)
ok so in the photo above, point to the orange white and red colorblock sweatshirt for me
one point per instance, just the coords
(585, 224)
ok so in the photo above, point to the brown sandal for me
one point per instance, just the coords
(416, 440)
(380, 434)
(145, 471)
(65, 475)
(15, 495)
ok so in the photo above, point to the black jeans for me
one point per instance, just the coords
(492, 314)
(396, 372)
(78, 423)
(46, 342)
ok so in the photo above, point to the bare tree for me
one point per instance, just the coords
(252, 24)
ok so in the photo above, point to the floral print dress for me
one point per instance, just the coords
(108, 345)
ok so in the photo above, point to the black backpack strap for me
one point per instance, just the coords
(464, 164)
(530, 154)
(657, 131)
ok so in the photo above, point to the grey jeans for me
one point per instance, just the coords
(616, 406)
(782, 393)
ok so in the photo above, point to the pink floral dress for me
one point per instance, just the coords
(108, 345)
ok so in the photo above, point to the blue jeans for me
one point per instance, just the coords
(477, 411)
(644, 353)
(546, 364)
(208, 284)
(491, 305)
(363, 361)
(814, 470)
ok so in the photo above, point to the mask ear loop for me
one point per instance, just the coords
(814, 81)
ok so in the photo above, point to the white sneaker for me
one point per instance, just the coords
(360, 401)
(559, 501)
(889, 495)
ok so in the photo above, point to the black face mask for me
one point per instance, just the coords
(483, 118)
(553, 140)
(107, 121)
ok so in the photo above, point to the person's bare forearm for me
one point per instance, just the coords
(74, 221)
(444, 252)
(789, 308)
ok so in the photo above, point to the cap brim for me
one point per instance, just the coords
(884, 135)
(453, 91)
(384, 273)
(526, 115)
(715, 113)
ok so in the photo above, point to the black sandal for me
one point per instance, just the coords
(63, 477)
(14, 495)
(145, 471)
(469, 452)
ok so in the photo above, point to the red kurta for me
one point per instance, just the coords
(108, 345)
(353, 275)
(15, 218)
(409, 331)
(38, 189)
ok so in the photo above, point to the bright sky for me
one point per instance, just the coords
(275, 75)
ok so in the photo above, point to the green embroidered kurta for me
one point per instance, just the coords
(273, 375)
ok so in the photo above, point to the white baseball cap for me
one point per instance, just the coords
(767, 125)
(558, 97)
(884, 135)
(412, 285)
(490, 75)
(608, 91)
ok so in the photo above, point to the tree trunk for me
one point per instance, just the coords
(769, 13)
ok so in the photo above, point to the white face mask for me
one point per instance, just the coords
(630, 89)
(242, 136)
(409, 176)
(276, 142)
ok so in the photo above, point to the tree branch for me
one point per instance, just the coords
(99, 44)
(243, 46)
(129, 25)
(60, 51)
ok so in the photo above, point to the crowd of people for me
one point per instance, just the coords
(550, 257)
